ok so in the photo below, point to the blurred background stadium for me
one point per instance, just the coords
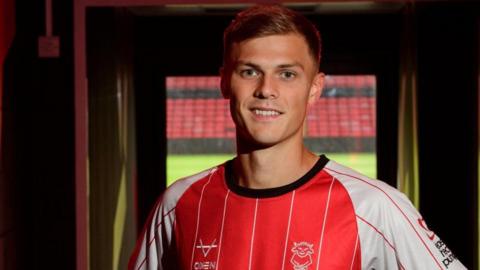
(201, 133)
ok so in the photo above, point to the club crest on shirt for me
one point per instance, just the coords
(302, 255)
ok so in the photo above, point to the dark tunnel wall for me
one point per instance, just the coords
(448, 123)
(39, 138)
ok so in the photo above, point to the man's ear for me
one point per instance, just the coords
(224, 84)
(317, 87)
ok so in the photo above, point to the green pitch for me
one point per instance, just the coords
(179, 166)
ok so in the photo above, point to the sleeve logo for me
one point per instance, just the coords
(429, 233)
(447, 256)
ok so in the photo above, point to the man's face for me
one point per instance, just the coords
(270, 81)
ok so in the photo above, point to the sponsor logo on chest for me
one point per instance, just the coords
(205, 248)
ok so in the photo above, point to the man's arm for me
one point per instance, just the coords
(415, 246)
(155, 248)
(392, 233)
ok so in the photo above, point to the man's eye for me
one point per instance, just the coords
(249, 73)
(288, 75)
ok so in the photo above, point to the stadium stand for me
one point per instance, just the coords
(195, 109)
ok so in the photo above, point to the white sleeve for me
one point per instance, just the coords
(416, 246)
(156, 246)
(392, 233)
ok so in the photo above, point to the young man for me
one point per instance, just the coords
(277, 205)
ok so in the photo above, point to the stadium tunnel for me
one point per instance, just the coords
(84, 135)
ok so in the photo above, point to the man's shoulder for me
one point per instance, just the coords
(364, 191)
(355, 181)
(178, 188)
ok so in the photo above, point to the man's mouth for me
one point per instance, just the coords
(263, 112)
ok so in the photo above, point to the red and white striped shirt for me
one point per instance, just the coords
(331, 218)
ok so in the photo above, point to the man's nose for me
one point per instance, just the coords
(267, 88)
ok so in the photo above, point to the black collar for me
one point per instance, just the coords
(270, 192)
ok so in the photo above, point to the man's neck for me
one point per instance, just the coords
(275, 166)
